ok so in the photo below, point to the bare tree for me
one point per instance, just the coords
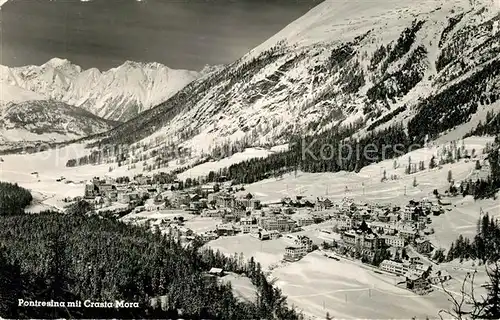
(465, 305)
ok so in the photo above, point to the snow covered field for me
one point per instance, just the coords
(343, 288)
(318, 285)
(50, 165)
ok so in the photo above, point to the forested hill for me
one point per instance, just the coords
(13, 199)
(75, 257)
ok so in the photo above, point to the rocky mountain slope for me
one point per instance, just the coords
(28, 122)
(425, 64)
(117, 94)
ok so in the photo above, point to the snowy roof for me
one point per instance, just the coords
(215, 270)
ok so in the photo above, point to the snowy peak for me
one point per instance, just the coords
(337, 21)
(117, 94)
(351, 63)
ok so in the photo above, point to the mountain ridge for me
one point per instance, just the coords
(119, 93)
(386, 62)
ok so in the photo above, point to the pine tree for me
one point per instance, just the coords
(432, 163)
(491, 303)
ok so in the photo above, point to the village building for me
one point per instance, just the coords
(226, 230)
(274, 234)
(264, 235)
(281, 224)
(344, 222)
(249, 228)
(397, 268)
(216, 272)
(416, 283)
(305, 242)
(363, 238)
(408, 234)
(294, 253)
(423, 246)
(409, 213)
(304, 221)
(394, 241)
(323, 204)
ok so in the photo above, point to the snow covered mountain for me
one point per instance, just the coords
(426, 64)
(117, 94)
(26, 123)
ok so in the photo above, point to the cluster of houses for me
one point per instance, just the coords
(366, 229)
(418, 276)
(370, 227)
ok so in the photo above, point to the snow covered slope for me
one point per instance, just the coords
(117, 94)
(10, 93)
(25, 123)
(427, 64)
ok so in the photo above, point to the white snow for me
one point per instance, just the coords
(108, 94)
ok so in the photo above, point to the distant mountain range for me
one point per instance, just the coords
(38, 102)
(118, 94)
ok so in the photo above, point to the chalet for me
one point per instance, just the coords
(216, 272)
(194, 197)
(444, 202)
(415, 282)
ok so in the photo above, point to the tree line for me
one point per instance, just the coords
(485, 245)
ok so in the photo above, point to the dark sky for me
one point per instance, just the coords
(104, 33)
